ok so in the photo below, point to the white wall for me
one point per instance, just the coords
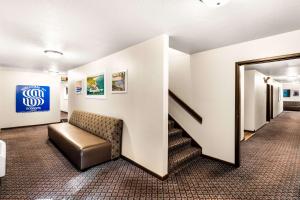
(249, 100)
(144, 108)
(291, 86)
(277, 98)
(260, 100)
(213, 81)
(63, 99)
(9, 79)
(255, 100)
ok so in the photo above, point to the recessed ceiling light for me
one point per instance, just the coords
(53, 53)
(215, 3)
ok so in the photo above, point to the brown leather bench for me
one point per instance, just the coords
(291, 106)
(88, 139)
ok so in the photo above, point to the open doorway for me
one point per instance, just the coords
(269, 102)
(64, 99)
(267, 99)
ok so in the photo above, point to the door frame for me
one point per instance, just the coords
(238, 95)
(272, 102)
(268, 103)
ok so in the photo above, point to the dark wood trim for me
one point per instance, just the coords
(268, 102)
(9, 128)
(270, 59)
(238, 94)
(250, 131)
(218, 160)
(145, 169)
(188, 109)
(272, 102)
(237, 116)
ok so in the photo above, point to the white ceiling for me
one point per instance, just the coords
(282, 71)
(89, 29)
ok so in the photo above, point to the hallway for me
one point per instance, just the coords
(270, 169)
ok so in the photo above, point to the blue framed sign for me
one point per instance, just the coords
(32, 98)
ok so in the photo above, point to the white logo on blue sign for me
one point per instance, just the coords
(32, 98)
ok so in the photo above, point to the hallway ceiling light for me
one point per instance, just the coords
(53, 53)
(215, 3)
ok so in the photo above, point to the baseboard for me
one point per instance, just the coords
(145, 169)
(9, 128)
(219, 160)
(250, 131)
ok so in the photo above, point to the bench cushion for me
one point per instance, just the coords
(77, 136)
(82, 148)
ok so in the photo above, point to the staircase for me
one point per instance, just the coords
(181, 151)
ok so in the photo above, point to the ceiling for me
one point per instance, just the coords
(90, 29)
(282, 71)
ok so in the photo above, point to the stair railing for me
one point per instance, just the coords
(188, 109)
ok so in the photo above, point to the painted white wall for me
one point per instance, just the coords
(255, 100)
(291, 86)
(9, 79)
(277, 98)
(63, 99)
(249, 100)
(144, 108)
(213, 82)
(260, 100)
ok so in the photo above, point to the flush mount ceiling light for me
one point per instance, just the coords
(215, 3)
(53, 53)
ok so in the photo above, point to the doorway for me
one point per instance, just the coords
(269, 102)
(238, 96)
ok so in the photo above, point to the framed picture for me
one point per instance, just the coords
(78, 87)
(119, 82)
(286, 92)
(32, 98)
(296, 93)
(95, 86)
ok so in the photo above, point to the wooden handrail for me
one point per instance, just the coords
(195, 115)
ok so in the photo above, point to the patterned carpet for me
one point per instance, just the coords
(270, 169)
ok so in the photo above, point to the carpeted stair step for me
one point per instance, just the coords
(171, 124)
(175, 132)
(179, 142)
(179, 159)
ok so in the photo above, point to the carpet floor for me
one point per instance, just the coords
(270, 169)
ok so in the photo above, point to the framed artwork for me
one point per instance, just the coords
(286, 92)
(119, 82)
(95, 86)
(296, 93)
(78, 87)
(32, 98)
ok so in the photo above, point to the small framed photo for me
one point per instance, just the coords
(119, 82)
(95, 86)
(78, 87)
(296, 93)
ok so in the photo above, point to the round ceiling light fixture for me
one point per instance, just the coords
(53, 53)
(215, 3)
